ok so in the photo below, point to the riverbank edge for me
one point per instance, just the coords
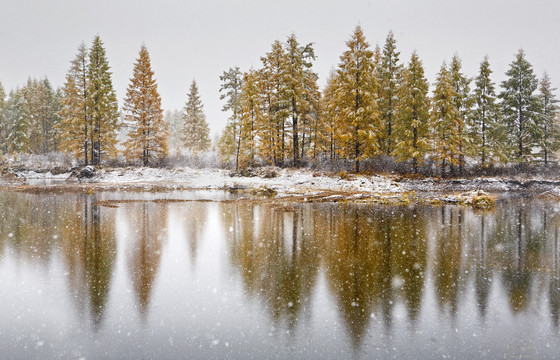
(298, 185)
(275, 184)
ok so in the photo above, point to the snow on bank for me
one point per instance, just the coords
(286, 181)
(281, 181)
(533, 185)
(271, 180)
(34, 175)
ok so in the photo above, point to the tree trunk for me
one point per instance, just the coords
(237, 150)
(357, 152)
(295, 135)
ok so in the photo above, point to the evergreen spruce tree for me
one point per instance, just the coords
(55, 105)
(195, 131)
(356, 100)
(520, 107)
(275, 132)
(148, 138)
(39, 108)
(102, 108)
(463, 101)
(377, 64)
(549, 140)
(412, 128)
(389, 82)
(295, 76)
(46, 119)
(487, 136)
(33, 94)
(446, 122)
(331, 116)
(75, 125)
(251, 119)
(377, 71)
(313, 126)
(18, 122)
(229, 143)
(43, 107)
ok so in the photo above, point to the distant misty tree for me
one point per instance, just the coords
(174, 120)
(42, 109)
(148, 138)
(520, 106)
(17, 122)
(196, 133)
(549, 135)
(29, 118)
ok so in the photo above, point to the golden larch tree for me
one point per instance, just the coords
(357, 102)
(445, 122)
(251, 116)
(276, 130)
(75, 127)
(148, 137)
(412, 120)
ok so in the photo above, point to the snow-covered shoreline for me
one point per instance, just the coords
(280, 182)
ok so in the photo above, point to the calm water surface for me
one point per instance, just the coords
(198, 279)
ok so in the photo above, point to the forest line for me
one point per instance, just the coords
(373, 106)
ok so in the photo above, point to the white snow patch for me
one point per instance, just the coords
(287, 181)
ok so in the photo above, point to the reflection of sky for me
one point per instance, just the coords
(199, 305)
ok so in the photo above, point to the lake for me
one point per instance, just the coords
(197, 275)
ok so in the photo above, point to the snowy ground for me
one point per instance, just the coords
(278, 182)
(281, 181)
(489, 184)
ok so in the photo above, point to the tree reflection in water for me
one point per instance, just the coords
(89, 247)
(381, 265)
(483, 274)
(149, 221)
(371, 256)
(194, 216)
(554, 285)
(277, 255)
(449, 264)
(376, 257)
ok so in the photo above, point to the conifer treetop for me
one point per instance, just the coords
(195, 131)
(148, 138)
(521, 106)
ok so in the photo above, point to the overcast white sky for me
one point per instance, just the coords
(200, 39)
